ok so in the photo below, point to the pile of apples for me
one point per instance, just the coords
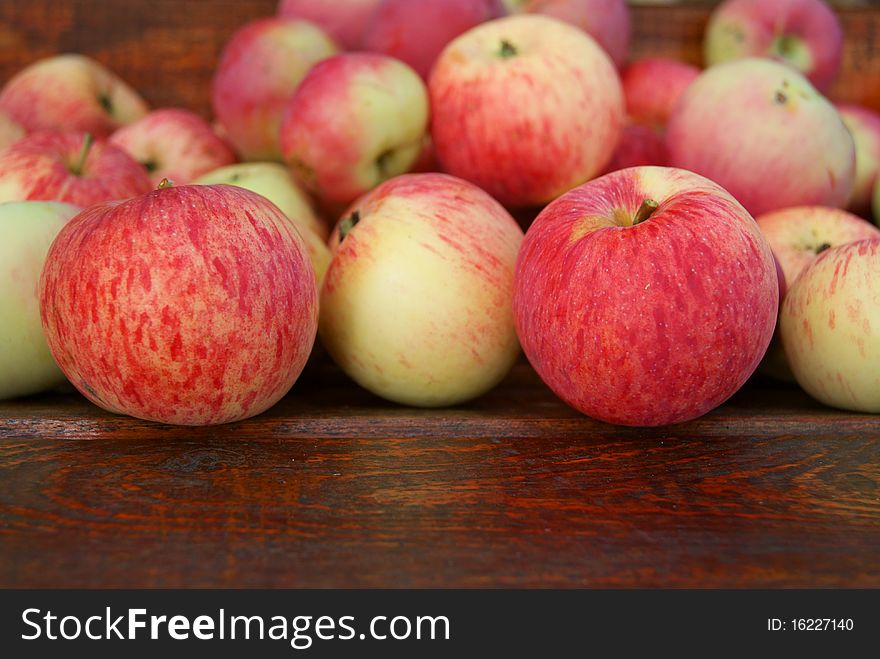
(691, 225)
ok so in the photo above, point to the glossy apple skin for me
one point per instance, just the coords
(652, 87)
(416, 304)
(864, 126)
(797, 236)
(173, 143)
(38, 167)
(607, 21)
(527, 127)
(259, 69)
(10, 130)
(830, 327)
(760, 130)
(752, 28)
(651, 324)
(417, 32)
(27, 228)
(190, 305)
(356, 120)
(70, 93)
(343, 20)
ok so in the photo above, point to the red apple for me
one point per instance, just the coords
(71, 93)
(260, 68)
(526, 107)
(762, 131)
(69, 167)
(864, 125)
(175, 144)
(193, 305)
(607, 21)
(10, 130)
(343, 20)
(639, 145)
(652, 87)
(804, 34)
(416, 32)
(645, 297)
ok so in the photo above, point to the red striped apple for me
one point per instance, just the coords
(830, 327)
(803, 34)
(526, 107)
(71, 93)
(27, 228)
(259, 69)
(189, 305)
(356, 120)
(761, 130)
(343, 20)
(69, 167)
(864, 126)
(173, 143)
(652, 87)
(416, 304)
(645, 297)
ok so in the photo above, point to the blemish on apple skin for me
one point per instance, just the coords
(832, 318)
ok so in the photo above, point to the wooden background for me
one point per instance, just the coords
(334, 487)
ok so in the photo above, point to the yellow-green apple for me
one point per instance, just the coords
(71, 167)
(830, 327)
(645, 297)
(259, 69)
(275, 182)
(416, 32)
(356, 120)
(10, 130)
(343, 20)
(416, 304)
(762, 131)
(526, 107)
(72, 93)
(607, 21)
(173, 143)
(652, 87)
(190, 305)
(804, 34)
(864, 125)
(27, 228)
(796, 236)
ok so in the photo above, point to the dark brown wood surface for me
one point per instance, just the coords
(333, 487)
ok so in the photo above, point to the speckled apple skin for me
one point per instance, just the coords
(864, 125)
(37, 167)
(651, 324)
(194, 305)
(532, 126)
(416, 304)
(760, 130)
(830, 327)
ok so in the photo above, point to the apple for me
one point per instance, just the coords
(607, 21)
(762, 131)
(259, 70)
(645, 297)
(343, 20)
(526, 107)
(173, 143)
(797, 236)
(830, 327)
(71, 93)
(189, 305)
(639, 145)
(10, 130)
(71, 167)
(416, 32)
(27, 228)
(357, 119)
(804, 34)
(652, 87)
(275, 182)
(864, 125)
(416, 304)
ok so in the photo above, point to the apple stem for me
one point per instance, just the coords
(348, 224)
(507, 49)
(645, 211)
(165, 183)
(80, 164)
(821, 248)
